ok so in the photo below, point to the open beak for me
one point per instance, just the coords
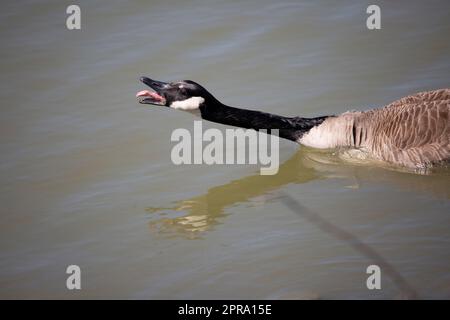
(155, 97)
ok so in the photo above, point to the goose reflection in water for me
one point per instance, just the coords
(202, 213)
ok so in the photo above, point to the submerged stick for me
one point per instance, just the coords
(366, 250)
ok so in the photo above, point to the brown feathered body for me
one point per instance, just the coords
(413, 132)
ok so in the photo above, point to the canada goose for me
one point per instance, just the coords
(413, 132)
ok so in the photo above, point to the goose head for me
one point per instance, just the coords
(185, 95)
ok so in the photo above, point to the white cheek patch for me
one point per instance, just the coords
(188, 105)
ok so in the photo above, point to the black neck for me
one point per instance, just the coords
(291, 128)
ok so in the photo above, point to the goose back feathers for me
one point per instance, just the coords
(413, 131)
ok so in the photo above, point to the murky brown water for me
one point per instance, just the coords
(86, 171)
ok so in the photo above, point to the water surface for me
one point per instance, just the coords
(87, 177)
